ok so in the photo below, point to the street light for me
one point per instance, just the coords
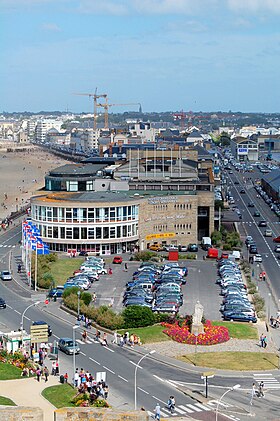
(74, 352)
(135, 376)
(79, 295)
(236, 386)
(22, 316)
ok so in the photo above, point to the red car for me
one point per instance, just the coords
(277, 239)
(117, 260)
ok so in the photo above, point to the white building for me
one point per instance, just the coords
(43, 126)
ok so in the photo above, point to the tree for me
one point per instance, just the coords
(224, 139)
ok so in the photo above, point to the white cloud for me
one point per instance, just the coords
(255, 6)
(52, 27)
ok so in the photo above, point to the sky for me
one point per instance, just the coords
(168, 55)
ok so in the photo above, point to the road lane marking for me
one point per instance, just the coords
(17, 312)
(159, 400)
(57, 337)
(9, 306)
(82, 353)
(106, 368)
(142, 390)
(108, 349)
(185, 409)
(159, 378)
(139, 366)
(96, 362)
(123, 378)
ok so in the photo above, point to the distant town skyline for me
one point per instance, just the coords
(202, 55)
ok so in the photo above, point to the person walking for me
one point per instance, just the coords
(38, 374)
(66, 377)
(106, 391)
(264, 342)
(76, 378)
(53, 368)
(115, 340)
(171, 404)
(125, 267)
(261, 386)
(84, 336)
(121, 341)
(46, 373)
(157, 412)
(56, 368)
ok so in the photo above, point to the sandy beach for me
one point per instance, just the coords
(22, 175)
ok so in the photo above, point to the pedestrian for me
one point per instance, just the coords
(125, 267)
(76, 378)
(84, 336)
(19, 268)
(262, 340)
(157, 412)
(115, 340)
(261, 386)
(265, 342)
(56, 368)
(38, 374)
(121, 341)
(53, 368)
(66, 377)
(46, 373)
(106, 391)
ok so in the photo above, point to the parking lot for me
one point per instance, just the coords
(200, 286)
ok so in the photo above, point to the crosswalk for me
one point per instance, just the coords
(270, 382)
(7, 245)
(185, 409)
(88, 341)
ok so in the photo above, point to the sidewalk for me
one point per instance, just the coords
(27, 392)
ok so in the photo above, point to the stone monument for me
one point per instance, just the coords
(197, 326)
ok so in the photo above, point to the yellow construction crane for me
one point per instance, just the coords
(106, 107)
(95, 97)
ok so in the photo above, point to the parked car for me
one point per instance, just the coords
(67, 345)
(55, 292)
(155, 247)
(83, 253)
(6, 275)
(262, 224)
(276, 239)
(267, 232)
(117, 260)
(257, 214)
(41, 322)
(258, 258)
(253, 249)
(242, 191)
(240, 317)
(251, 205)
(277, 249)
(193, 248)
(2, 303)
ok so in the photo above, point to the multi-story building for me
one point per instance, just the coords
(154, 196)
(244, 149)
(43, 126)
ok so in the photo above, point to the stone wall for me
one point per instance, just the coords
(100, 414)
(20, 413)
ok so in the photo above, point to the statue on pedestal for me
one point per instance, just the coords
(197, 326)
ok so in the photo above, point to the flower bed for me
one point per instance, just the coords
(212, 334)
(18, 360)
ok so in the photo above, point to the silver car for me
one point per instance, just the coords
(6, 275)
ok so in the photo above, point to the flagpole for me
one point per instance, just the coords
(36, 268)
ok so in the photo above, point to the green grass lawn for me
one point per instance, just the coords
(60, 396)
(63, 268)
(240, 361)
(148, 334)
(9, 372)
(239, 330)
(6, 401)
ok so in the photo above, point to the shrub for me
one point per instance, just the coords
(161, 317)
(137, 316)
(216, 238)
(101, 403)
(70, 291)
(144, 256)
(86, 298)
(46, 281)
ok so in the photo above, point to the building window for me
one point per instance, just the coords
(83, 233)
(90, 233)
(91, 215)
(106, 232)
(89, 185)
(62, 232)
(98, 233)
(76, 233)
(112, 232)
(72, 185)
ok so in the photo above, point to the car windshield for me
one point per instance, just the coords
(70, 343)
(5, 272)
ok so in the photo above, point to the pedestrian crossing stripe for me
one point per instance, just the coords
(182, 410)
(7, 245)
(88, 341)
(270, 382)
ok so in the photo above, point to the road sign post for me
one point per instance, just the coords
(205, 376)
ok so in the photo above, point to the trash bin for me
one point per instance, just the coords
(61, 379)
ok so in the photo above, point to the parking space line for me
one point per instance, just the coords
(123, 378)
(106, 368)
(96, 362)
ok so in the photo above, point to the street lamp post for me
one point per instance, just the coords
(135, 376)
(74, 353)
(79, 295)
(22, 316)
(236, 386)
(268, 307)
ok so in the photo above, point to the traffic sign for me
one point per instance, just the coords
(208, 374)
(39, 333)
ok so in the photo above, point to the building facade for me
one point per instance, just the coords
(126, 206)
